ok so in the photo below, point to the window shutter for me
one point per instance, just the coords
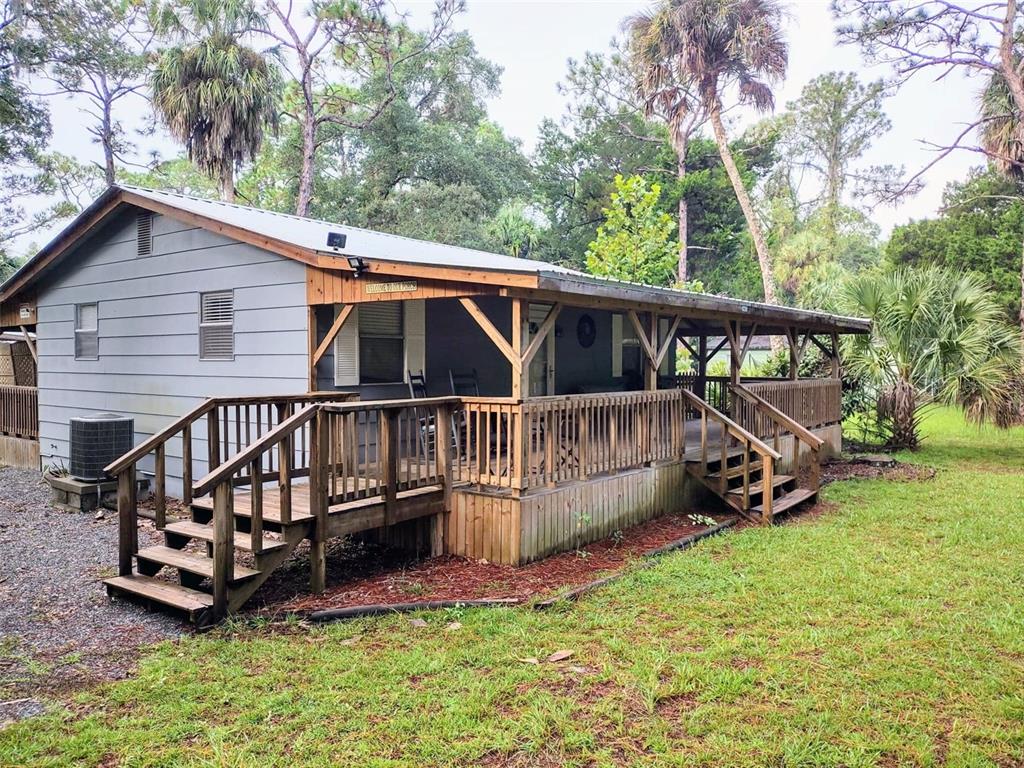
(217, 325)
(616, 345)
(346, 351)
(663, 328)
(144, 233)
(415, 337)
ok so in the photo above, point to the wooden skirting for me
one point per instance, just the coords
(505, 529)
(19, 452)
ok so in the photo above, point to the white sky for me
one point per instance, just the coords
(532, 40)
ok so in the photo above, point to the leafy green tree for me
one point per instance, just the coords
(216, 96)
(635, 241)
(828, 130)
(979, 229)
(937, 337)
(711, 46)
(98, 51)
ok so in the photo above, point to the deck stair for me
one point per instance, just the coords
(280, 472)
(736, 462)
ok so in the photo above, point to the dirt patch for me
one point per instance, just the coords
(873, 468)
(369, 575)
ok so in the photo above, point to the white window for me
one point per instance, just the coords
(217, 325)
(87, 344)
(380, 343)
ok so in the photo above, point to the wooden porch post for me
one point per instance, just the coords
(521, 377)
(794, 354)
(498, 339)
(648, 337)
(837, 372)
(702, 367)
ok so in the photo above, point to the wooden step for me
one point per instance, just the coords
(270, 513)
(191, 601)
(714, 454)
(732, 472)
(758, 487)
(788, 501)
(202, 532)
(200, 565)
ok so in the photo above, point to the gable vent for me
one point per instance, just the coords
(144, 233)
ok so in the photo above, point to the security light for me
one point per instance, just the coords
(358, 264)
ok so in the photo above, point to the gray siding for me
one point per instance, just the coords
(149, 365)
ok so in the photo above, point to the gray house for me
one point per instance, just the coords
(470, 400)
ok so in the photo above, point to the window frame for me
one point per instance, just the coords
(216, 324)
(80, 332)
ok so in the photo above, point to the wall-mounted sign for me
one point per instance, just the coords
(394, 287)
(25, 312)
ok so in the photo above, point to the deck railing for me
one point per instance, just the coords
(232, 424)
(812, 403)
(715, 390)
(542, 441)
(19, 411)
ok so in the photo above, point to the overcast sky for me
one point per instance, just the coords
(532, 40)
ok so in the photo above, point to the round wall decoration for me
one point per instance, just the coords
(586, 331)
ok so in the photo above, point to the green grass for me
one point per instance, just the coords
(888, 631)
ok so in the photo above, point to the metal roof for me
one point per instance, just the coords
(310, 236)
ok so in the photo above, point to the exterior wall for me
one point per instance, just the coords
(455, 341)
(505, 529)
(832, 434)
(149, 366)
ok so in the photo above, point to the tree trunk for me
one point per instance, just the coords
(308, 148)
(227, 181)
(743, 197)
(679, 145)
(107, 141)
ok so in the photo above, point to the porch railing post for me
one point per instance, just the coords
(443, 452)
(319, 430)
(127, 518)
(223, 545)
(389, 446)
(212, 440)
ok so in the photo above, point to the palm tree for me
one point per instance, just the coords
(665, 96)
(937, 337)
(215, 95)
(1002, 139)
(711, 45)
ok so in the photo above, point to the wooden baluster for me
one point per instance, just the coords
(388, 420)
(318, 452)
(768, 481)
(704, 441)
(226, 435)
(212, 440)
(723, 481)
(746, 474)
(284, 469)
(127, 518)
(256, 502)
(160, 486)
(186, 464)
(815, 468)
(223, 545)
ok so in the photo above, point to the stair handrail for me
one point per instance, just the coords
(801, 434)
(751, 442)
(735, 429)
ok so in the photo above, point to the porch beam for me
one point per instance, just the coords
(542, 333)
(641, 333)
(667, 344)
(746, 344)
(332, 333)
(837, 364)
(493, 333)
(685, 343)
(716, 350)
(794, 353)
(825, 350)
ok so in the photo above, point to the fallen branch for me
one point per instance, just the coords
(684, 543)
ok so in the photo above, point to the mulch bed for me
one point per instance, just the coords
(457, 578)
(369, 575)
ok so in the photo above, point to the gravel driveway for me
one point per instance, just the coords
(58, 629)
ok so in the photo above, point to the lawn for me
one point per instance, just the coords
(888, 630)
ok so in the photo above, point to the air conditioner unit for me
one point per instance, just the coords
(96, 441)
